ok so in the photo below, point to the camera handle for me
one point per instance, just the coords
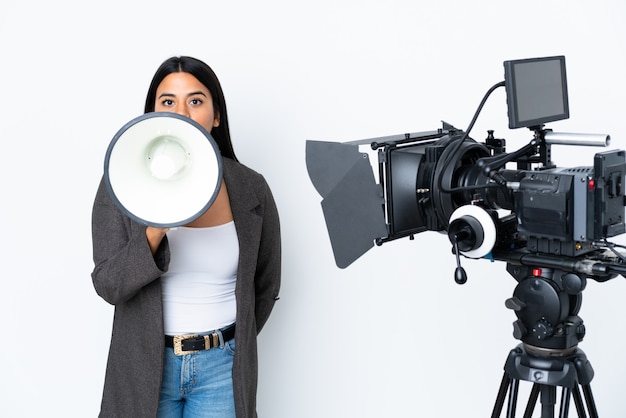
(491, 165)
(460, 276)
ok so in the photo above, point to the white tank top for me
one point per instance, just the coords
(199, 286)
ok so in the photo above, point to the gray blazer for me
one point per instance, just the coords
(126, 275)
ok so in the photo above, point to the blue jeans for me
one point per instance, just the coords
(198, 385)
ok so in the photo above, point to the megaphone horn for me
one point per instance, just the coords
(163, 169)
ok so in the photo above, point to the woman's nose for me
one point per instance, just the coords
(182, 110)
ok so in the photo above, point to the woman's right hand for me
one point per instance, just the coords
(155, 236)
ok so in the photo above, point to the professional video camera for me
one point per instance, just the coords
(549, 224)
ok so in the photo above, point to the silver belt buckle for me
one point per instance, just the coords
(178, 344)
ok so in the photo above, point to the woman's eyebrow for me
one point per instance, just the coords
(193, 93)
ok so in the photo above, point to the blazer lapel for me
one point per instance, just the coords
(243, 202)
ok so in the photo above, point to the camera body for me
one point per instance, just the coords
(556, 211)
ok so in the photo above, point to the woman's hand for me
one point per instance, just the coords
(155, 236)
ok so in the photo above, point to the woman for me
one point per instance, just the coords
(218, 276)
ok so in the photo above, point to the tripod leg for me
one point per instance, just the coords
(565, 395)
(532, 401)
(578, 401)
(591, 404)
(514, 388)
(504, 385)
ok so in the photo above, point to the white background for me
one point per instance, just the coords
(390, 336)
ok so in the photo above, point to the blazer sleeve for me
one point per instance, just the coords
(268, 269)
(123, 262)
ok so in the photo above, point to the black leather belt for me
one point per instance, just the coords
(192, 343)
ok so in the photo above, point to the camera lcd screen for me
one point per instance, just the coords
(536, 91)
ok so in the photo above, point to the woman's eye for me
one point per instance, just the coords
(196, 101)
(167, 102)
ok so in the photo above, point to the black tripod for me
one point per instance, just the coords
(570, 370)
(546, 302)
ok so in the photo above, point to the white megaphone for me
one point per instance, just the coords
(163, 169)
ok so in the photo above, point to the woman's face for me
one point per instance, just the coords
(182, 93)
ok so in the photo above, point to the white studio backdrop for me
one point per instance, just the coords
(390, 336)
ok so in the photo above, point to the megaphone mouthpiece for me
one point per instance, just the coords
(167, 158)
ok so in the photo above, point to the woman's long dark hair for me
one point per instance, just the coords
(206, 76)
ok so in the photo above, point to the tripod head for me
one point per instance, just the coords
(546, 302)
(548, 295)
